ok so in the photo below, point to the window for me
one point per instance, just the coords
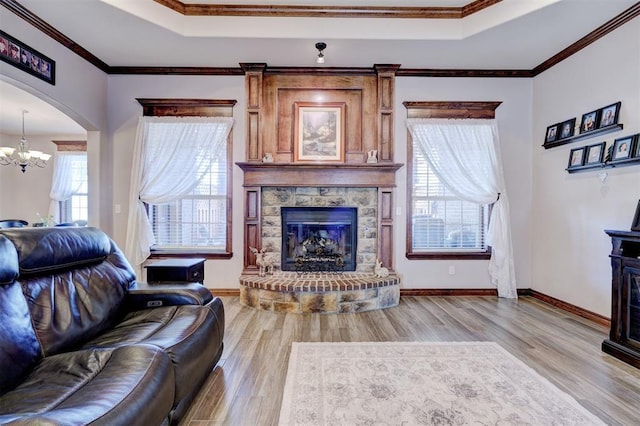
(441, 222)
(441, 225)
(76, 208)
(197, 220)
(69, 184)
(182, 181)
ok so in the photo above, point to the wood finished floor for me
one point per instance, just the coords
(246, 386)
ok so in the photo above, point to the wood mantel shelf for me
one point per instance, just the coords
(381, 175)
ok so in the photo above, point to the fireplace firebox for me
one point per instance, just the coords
(319, 239)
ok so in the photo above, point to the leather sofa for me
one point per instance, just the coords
(82, 342)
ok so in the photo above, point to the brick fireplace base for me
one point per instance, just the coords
(319, 292)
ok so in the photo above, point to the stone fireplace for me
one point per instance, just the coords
(277, 195)
(277, 177)
(319, 239)
(305, 203)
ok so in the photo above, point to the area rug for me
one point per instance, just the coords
(416, 383)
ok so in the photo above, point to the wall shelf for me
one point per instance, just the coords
(581, 136)
(606, 165)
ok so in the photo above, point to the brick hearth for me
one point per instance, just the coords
(319, 292)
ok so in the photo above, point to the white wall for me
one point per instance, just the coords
(570, 211)
(557, 219)
(27, 194)
(514, 126)
(81, 93)
(124, 111)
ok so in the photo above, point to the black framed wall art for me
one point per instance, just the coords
(26, 58)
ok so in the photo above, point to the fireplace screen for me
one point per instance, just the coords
(319, 239)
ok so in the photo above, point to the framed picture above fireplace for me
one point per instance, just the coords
(319, 132)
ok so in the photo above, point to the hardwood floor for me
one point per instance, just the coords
(246, 386)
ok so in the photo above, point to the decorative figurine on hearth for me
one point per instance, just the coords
(372, 156)
(263, 261)
(268, 158)
(380, 271)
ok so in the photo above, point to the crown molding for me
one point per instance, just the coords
(611, 25)
(307, 11)
(47, 29)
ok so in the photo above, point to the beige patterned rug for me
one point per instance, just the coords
(415, 383)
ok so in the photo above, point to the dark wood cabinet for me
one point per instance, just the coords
(624, 337)
(176, 270)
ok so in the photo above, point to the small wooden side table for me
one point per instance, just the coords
(189, 270)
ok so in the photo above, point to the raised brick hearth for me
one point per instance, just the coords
(319, 293)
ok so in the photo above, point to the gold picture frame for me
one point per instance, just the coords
(319, 132)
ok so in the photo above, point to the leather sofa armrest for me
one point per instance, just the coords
(142, 295)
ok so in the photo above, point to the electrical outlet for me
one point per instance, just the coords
(118, 208)
(452, 270)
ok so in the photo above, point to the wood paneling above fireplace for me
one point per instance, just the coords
(368, 100)
(282, 92)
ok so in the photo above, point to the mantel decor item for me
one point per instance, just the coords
(609, 115)
(319, 132)
(635, 225)
(576, 157)
(18, 54)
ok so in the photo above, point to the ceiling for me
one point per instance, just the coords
(41, 119)
(502, 35)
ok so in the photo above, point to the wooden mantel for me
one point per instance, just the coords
(380, 175)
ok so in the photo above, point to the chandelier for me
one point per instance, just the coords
(22, 156)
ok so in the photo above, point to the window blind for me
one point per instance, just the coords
(441, 222)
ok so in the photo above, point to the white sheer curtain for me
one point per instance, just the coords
(171, 155)
(465, 155)
(63, 185)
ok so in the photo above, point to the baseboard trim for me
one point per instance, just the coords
(448, 292)
(225, 292)
(565, 306)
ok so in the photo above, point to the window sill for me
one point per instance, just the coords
(484, 255)
(158, 254)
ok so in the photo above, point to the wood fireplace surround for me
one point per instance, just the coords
(368, 99)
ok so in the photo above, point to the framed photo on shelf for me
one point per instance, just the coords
(576, 157)
(26, 58)
(636, 151)
(594, 154)
(319, 132)
(635, 225)
(589, 121)
(552, 133)
(622, 148)
(609, 115)
(567, 128)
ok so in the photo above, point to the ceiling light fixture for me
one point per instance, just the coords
(22, 156)
(320, 46)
